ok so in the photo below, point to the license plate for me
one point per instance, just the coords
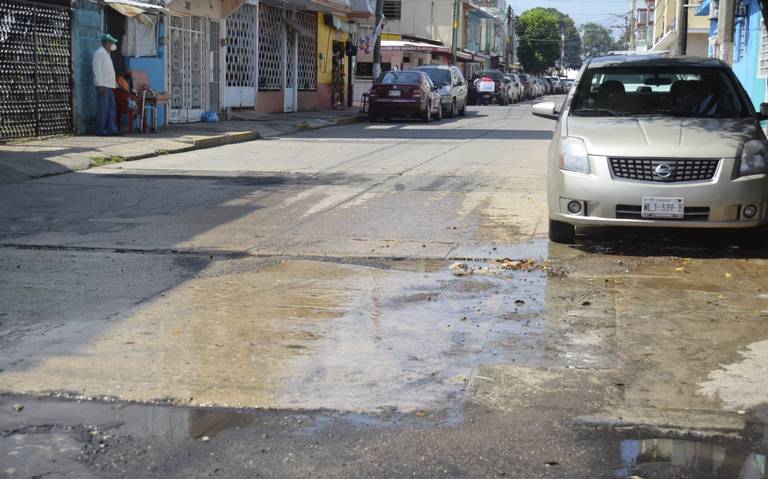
(663, 208)
(394, 92)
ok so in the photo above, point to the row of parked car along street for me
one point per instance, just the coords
(431, 92)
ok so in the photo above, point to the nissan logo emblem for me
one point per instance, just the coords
(664, 171)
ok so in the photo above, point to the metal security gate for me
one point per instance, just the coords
(35, 70)
(242, 56)
(189, 57)
(214, 95)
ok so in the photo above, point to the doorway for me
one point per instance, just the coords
(188, 60)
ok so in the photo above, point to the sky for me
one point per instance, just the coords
(599, 11)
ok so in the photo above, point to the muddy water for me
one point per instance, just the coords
(676, 458)
(671, 333)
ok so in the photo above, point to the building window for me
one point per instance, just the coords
(763, 59)
(392, 9)
(742, 40)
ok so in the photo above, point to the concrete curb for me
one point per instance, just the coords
(350, 119)
(10, 175)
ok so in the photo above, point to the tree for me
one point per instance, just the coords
(572, 47)
(596, 40)
(539, 44)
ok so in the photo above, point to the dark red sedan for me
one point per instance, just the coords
(404, 93)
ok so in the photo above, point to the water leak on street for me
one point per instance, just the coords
(683, 459)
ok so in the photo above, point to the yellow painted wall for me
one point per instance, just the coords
(325, 38)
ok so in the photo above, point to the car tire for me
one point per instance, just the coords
(439, 115)
(454, 110)
(427, 115)
(560, 232)
(372, 117)
(463, 111)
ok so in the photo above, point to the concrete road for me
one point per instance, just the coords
(287, 308)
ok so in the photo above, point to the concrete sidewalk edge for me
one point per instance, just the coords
(227, 138)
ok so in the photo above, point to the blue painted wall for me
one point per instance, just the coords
(746, 66)
(154, 66)
(86, 30)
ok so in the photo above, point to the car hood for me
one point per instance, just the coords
(663, 136)
(444, 90)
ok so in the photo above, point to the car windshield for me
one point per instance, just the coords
(400, 77)
(679, 92)
(524, 78)
(439, 75)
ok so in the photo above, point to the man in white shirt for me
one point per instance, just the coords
(106, 81)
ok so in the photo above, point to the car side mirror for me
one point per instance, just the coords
(459, 83)
(763, 115)
(546, 110)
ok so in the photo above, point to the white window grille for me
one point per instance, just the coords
(763, 58)
(742, 40)
(271, 45)
(392, 9)
(307, 74)
(242, 56)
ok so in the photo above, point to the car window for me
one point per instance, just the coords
(438, 75)
(678, 91)
(494, 75)
(400, 77)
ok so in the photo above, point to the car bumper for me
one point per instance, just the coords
(616, 202)
(400, 106)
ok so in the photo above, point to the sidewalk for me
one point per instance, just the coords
(25, 160)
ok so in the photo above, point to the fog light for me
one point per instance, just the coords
(574, 207)
(749, 211)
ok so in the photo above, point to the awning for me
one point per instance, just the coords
(293, 25)
(410, 46)
(133, 8)
(363, 8)
(703, 10)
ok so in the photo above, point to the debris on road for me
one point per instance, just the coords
(18, 407)
(459, 269)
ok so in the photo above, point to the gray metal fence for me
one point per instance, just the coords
(35, 69)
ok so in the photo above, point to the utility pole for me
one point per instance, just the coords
(682, 28)
(377, 45)
(455, 30)
(633, 27)
(510, 39)
(725, 30)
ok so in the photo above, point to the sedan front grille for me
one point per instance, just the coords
(663, 170)
(634, 212)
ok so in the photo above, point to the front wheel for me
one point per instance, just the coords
(372, 117)
(454, 110)
(463, 111)
(560, 232)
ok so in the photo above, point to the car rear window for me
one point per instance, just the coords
(438, 75)
(671, 91)
(400, 77)
(494, 75)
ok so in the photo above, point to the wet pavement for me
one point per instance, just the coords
(391, 310)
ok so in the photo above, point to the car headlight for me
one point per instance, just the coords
(573, 155)
(753, 158)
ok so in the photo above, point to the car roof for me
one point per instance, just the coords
(439, 67)
(653, 61)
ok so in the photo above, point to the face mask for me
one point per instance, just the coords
(112, 47)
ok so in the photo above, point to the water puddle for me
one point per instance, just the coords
(676, 458)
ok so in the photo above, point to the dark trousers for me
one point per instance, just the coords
(106, 114)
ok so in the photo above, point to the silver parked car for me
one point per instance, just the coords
(659, 142)
(452, 88)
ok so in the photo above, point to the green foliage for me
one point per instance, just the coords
(539, 44)
(106, 160)
(596, 40)
(572, 47)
